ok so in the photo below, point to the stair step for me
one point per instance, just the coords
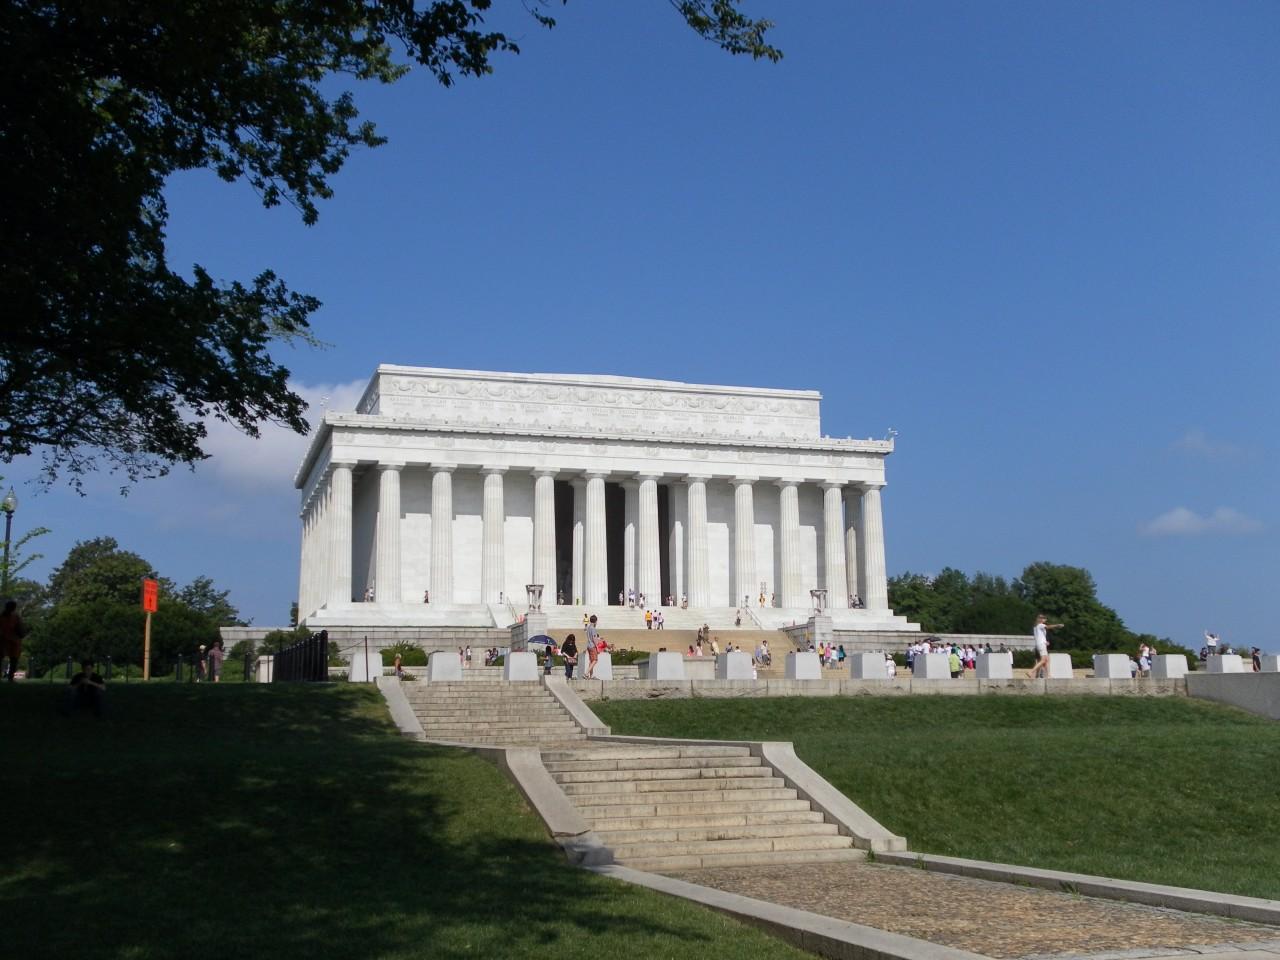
(646, 806)
(678, 863)
(649, 763)
(663, 773)
(681, 834)
(694, 801)
(801, 814)
(630, 788)
(646, 753)
(699, 848)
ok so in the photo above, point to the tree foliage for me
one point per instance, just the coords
(92, 607)
(952, 602)
(112, 354)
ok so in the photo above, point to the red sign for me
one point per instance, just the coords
(150, 595)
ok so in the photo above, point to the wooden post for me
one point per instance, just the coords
(146, 649)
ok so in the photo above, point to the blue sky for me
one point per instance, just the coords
(1039, 240)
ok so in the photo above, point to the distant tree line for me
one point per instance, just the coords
(954, 602)
(91, 605)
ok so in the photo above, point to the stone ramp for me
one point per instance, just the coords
(491, 712)
(665, 808)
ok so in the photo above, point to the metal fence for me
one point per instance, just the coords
(307, 659)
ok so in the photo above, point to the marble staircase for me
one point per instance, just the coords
(667, 808)
(491, 712)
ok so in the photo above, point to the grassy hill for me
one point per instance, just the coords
(256, 821)
(1163, 790)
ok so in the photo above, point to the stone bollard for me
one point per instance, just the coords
(1060, 667)
(1226, 663)
(1169, 666)
(1270, 663)
(666, 665)
(997, 665)
(264, 668)
(444, 665)
(867, 666)
(735, 665)
(604, 667)
(803, 666)
(1112, 666)
(932, 666)
(521, 665)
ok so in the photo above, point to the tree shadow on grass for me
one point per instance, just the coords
(254, 821)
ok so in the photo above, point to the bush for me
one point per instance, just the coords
(410, 656)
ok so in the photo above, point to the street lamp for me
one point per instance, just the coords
(8, 505)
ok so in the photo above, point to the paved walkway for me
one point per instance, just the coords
(993, 919)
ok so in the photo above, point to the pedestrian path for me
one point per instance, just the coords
(992, 919)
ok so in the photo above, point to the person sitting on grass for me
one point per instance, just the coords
(87, 691)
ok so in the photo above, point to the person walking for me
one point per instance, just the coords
(12, 630)
(1041, 633)
(216, 656)
(593, 648)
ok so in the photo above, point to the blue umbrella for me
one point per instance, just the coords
(541, 638)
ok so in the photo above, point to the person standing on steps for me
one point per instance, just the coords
(569, 650)
(1041, 632)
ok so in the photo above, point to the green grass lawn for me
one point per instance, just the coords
(1163, 790)
(241, 820)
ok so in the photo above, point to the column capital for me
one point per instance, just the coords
(335, 464)
(488, 469)
(650, 475)
(785, 482)
(832, 484)
(697, 477)
(443, 467)
(739, 481)
(545, 471)
(390, 465)
(873, 485)
(596, 474)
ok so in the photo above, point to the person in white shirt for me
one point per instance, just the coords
(1211, 641)
(1041, 632)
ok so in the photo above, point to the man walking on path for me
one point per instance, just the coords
(1042, 646)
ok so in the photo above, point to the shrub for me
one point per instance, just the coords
(410, 656)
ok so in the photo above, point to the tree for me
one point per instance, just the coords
(110, 353)
(1070, 594)
(203, 597)
(98, 572)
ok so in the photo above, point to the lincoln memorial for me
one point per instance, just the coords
(447, 492)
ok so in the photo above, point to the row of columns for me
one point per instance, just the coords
(853, 528)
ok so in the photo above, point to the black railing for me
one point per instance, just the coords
(307, 659)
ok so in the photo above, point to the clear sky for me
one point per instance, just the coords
(1039, 240)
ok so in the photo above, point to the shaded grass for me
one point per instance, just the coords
(1162, 790)
(290, 821)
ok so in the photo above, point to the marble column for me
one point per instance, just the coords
(442, 533)
(876, 585)
(648, 558)
(675, 542)
(837, 583)
(595, 572)
(324, 561)
(579, 539)
(852, 553)
(340, 586)
(305, 566)
(494, 522)
(792, 593)
(744, 540)
(544, 533)
(630, 510)
(699, 558)
(386, 571)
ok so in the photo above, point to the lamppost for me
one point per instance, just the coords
(8, 505)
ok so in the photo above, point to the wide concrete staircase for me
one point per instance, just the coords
(668, 808)
(492, 712)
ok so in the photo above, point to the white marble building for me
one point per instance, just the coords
(460, 487)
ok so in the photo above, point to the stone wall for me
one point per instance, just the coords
(1256, 692)
(721, 689)
(897, 641)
